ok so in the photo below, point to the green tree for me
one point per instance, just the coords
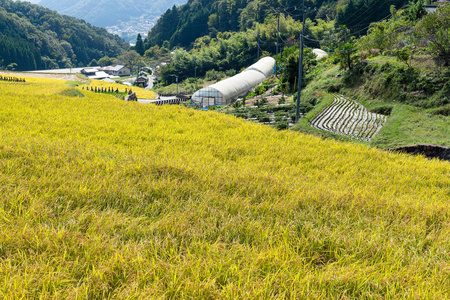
(346, 55)
(12, 67)
(93, 63)
(289, 65)
(129, 59)
(404, 55)
(152, 52)
(106, 61)
(140, 45)
(415, 11)
(379, 36)
(434, 29)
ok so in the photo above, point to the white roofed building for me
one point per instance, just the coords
(119, 70)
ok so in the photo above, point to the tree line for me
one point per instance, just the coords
(181, 26)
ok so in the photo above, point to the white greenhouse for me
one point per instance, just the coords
(320, 53)
(226, 91)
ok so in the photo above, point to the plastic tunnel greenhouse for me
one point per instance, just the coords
(226, 91)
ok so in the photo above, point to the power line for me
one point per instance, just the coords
(323, 40)
(382, 37)
(358, 13)
(381, 20)
(313, 40)
(389, 34)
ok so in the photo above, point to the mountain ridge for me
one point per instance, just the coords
(117, 16)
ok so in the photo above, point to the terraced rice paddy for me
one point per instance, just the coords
(349, 118)
(107, 199)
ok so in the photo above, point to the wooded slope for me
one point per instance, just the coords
(33, 37)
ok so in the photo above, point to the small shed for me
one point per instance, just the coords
(141, 81)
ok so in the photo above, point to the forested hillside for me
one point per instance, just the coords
(357, 15)
(33, 37)
(182, 25)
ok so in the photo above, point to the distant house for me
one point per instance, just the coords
(430, 8)
(119, 70)
(89, 71)
(141, 81)
(106, 69)
(99, 75)
(95, 73)
(433, 7)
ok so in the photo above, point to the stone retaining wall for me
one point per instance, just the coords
(429, 151)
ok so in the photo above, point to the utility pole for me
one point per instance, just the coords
(195, 67)
(176, 77)
(300, 66)
(278, 37)
(278, 31)
(258, 44)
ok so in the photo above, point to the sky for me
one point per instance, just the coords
(32, 1)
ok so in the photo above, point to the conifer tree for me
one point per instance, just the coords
(140, 45)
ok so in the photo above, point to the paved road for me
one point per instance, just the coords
(151, 78)
(155, 100)
(59, 71)
(146, 101)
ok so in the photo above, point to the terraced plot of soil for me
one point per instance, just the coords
(349, 118)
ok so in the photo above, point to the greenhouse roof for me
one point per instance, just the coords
(265, 66)
(239, 85)
(320, 53)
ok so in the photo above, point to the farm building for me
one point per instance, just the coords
(226, 91)
(119, 70)
(141, 81)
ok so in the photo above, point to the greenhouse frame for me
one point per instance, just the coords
(228, 90)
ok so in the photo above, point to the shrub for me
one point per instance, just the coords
(404, 56)
(374, 52)
(444, 111)
(278, 119)
(282, 125)
(384, 110)
(214, 75)
(255, 113)
(260, 89)
(264, 119)
(230, 72)
(334, 88)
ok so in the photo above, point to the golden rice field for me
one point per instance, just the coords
(106, 199)
(140, 92)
